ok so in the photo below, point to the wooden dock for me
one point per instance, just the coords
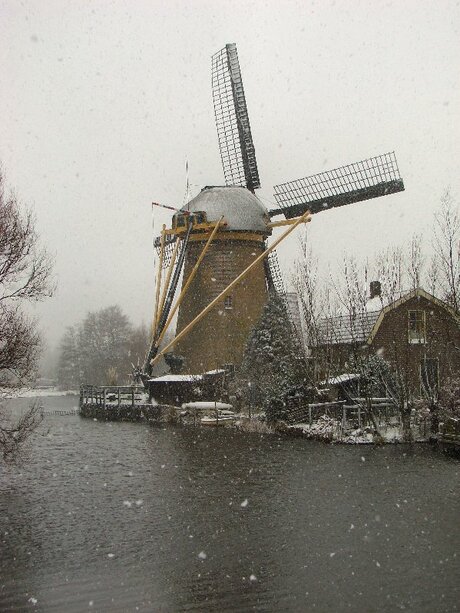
(117, 403)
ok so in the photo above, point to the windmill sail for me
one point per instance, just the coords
(232, 120)
(371, 178)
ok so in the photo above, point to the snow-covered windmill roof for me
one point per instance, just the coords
(240, 207)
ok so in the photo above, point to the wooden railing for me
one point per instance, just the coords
(111, 395)
(352, 411)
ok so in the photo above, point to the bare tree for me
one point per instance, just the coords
(25, 275)
(415, 262)
(318, 307)
(447, 249)
(389, 270)
(432, 276)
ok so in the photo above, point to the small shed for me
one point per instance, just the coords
(177, 389)
(342, 387)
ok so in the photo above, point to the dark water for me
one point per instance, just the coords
(114, 517)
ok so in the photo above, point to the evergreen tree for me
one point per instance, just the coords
(273, 362)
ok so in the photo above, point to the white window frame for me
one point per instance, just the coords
(413, 336)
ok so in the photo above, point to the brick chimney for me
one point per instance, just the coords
(375, 289)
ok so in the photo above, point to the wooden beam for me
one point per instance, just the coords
(189, 280)
(166, 283)
(160, 266)
(286, 222)
(229, 287)
(205, 226)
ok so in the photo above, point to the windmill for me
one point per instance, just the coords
(218, 240)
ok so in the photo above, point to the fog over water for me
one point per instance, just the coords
(102, 103)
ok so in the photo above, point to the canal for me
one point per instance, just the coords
(129, 517)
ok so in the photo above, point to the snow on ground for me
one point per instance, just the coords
(39, 393)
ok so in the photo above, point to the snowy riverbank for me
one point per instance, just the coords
(39, 393)
(330, 430)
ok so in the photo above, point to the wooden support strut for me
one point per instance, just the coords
(157, 297)
(167, 280)
(189, 280)
(302, 219)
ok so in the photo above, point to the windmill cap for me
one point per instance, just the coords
(242, 210)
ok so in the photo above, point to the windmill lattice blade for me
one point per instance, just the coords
(232, 120)
(377, 176)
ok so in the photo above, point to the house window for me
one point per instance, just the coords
(416, 327)
(228, 302)
(429, 376)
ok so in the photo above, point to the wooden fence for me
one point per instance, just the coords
(352, 412)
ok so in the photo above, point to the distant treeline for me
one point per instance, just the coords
(101, 350)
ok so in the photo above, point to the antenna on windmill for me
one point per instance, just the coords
(187, 195)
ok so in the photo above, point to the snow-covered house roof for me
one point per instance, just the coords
(345, 329)
(415, 293)
(362, 326)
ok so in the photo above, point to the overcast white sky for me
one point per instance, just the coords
(102, 101)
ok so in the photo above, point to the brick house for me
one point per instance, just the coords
(418, 334)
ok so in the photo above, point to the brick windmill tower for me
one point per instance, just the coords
(218, 241)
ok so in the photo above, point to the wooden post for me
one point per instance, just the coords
(118, 396)
(359, 415)
(344, 417)
(104, 398)
(132, 396)
(303, 219)
(309, 414)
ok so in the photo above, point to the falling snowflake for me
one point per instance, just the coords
(245, 503)
(127, 503)
(202, 555)
(252, 578)
(110, 555)
(33, 600)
